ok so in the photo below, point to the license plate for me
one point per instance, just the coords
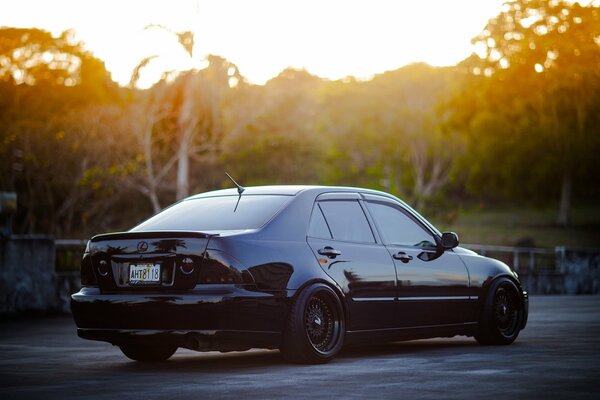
(143, 274)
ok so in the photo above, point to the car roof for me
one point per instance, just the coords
(287, 190)
(308, 190)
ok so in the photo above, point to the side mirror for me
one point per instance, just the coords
(449, 240)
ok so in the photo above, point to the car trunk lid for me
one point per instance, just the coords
(160, 260)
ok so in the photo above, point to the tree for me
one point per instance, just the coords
(387, 132)
(149, 114)
(541, 58)
(276, 124)
(199, 97)
(49, 149)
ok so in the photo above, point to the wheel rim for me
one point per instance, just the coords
(321, 321)
(506, 313)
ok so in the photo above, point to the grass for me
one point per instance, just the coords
(526, 227)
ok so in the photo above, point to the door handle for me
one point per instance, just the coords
(402, 256)
(329, 251)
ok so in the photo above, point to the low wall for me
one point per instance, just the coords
(67, 283)
(574, 272)
(27, 277)
(581, 270)
(550, 271)
(34, 279)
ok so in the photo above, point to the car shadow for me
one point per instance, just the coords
(413, 348)
(189, 361)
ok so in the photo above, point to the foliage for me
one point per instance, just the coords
(530, 110)
(52, 148)
(516, 125)
(388, 131)
(274, 131)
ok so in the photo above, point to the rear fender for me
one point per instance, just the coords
(273, 265)
(333, 285)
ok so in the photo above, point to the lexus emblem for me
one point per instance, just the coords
(142, 246)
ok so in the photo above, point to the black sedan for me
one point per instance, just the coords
(306, 269)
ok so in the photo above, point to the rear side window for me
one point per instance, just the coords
(216, 213)
(318, 227)
(347, 221)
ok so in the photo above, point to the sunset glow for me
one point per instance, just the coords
(332, 39)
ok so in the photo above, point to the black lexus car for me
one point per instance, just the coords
(305, 269)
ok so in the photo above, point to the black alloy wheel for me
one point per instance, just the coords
(501, 316)
(321, 323)
(506, 313)
(316, 329)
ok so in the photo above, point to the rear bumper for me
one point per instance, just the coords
(223, 317)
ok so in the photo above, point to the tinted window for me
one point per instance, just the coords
(216, 213)
(318, 227)
(347, 221)
(398, 228)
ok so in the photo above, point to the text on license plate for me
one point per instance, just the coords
(144, 273)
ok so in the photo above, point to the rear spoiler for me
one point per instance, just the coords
(151, 235)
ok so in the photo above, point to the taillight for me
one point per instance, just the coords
(103, 268)
(218, 267)
(186, 265)
(88, 278)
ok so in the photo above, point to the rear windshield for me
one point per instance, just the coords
(216, 213)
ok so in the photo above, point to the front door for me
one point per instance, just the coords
(433, 284)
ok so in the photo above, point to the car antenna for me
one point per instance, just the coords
(240, 190)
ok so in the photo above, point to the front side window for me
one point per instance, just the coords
(347, 221)
(397, 228)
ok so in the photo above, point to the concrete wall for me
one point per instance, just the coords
(27, 278)
(67, 283)
(582, 272)
(570, 271)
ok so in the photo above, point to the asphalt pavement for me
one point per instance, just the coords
(556, 357)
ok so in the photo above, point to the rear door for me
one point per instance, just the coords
(433, 285)
(348, 251)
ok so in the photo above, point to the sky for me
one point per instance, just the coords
(330, 38)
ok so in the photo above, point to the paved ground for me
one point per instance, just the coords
(557, 356)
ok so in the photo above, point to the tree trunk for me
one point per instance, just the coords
(564, 207)
(154, 200)
(186, 125)
(183, 171)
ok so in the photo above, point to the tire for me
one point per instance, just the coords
(148, 353)
(502, 314)
(315, 329)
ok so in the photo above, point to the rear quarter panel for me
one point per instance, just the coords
(274, 265)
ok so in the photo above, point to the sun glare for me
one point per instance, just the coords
(332, 39)
(539, 68)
